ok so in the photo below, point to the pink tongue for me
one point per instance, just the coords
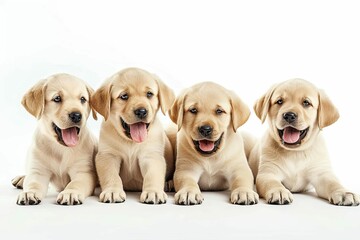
(291, 135)
(138, 132)
(206, 145)
(70, 136)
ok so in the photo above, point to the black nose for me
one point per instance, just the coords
(205, 130)
(140, 113)
(289, 117)
(75, 117)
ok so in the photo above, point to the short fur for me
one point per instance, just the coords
(297, 163)
(224, 167)
(69, 168)
(125, 162)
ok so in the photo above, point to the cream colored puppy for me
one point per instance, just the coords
(210, 154)
(63, 149)
(292, 156)
(134, 151)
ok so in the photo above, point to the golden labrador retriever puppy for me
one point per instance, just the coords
(292, 156)
(134, 152)
(63, 149)
(210, 154)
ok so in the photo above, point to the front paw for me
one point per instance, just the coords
(343, 198)
(112, 195)
(18, 182)
(188, 197)
(68, 197)
(153, 197)
(244, 196)
(29, 198)
(279, 196)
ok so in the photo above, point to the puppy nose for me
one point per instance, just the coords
(289, 117)
(140, 113)
(205, 130)
(75, 117)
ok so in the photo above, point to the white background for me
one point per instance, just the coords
(244, 45)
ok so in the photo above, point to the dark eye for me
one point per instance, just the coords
(149, 94)
(124, 96)
(193, 110)
(219, 111)
(57, 99)
(83, 100)
(279, 102)
(306, 103)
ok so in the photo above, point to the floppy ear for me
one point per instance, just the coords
(176, 111)
(91, 93)
(101, 100)
(34, 99)
(262, 105)
(240, 112)
(166, 95)
(327, 112)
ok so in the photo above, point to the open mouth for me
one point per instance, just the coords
(292, 136)
(136, 131)
(68, 137)
(206, 146)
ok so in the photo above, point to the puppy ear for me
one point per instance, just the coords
(176, 111)
(34, 99)
(91, 93)
(327, 112)
(240, 112)
(166, 95)
(101, 100)
(262, 105)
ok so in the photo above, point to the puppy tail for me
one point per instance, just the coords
(249, 143)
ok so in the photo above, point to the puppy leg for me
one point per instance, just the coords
(241, 186)
(328, 187)
(269, 187)
(18, 181)
(35, 188)
(108, 169)
(81, 186)
(153, 168)
(186, 186)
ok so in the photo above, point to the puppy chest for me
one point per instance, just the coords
(295, 178)
(213, 178)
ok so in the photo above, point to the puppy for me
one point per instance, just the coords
(292, 156)
(63, 149)
(210, 154)
(134, 151)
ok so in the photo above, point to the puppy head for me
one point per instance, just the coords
(206, 113)
(62, 103)
(296, 111)
(130, 100)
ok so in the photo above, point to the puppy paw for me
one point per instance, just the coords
(153, 197)
(188, 197)
(279, 196)
(244, 196)
(112, 195)
(29, 198)
(68, 197)
(18, 182)
(343, 198)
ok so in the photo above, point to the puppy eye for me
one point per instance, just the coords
(279, 102)
(219, 111)
(83, 100)
(306, 103)
(57, 99)
(193, 110)
(149, 94)
(124, 96)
